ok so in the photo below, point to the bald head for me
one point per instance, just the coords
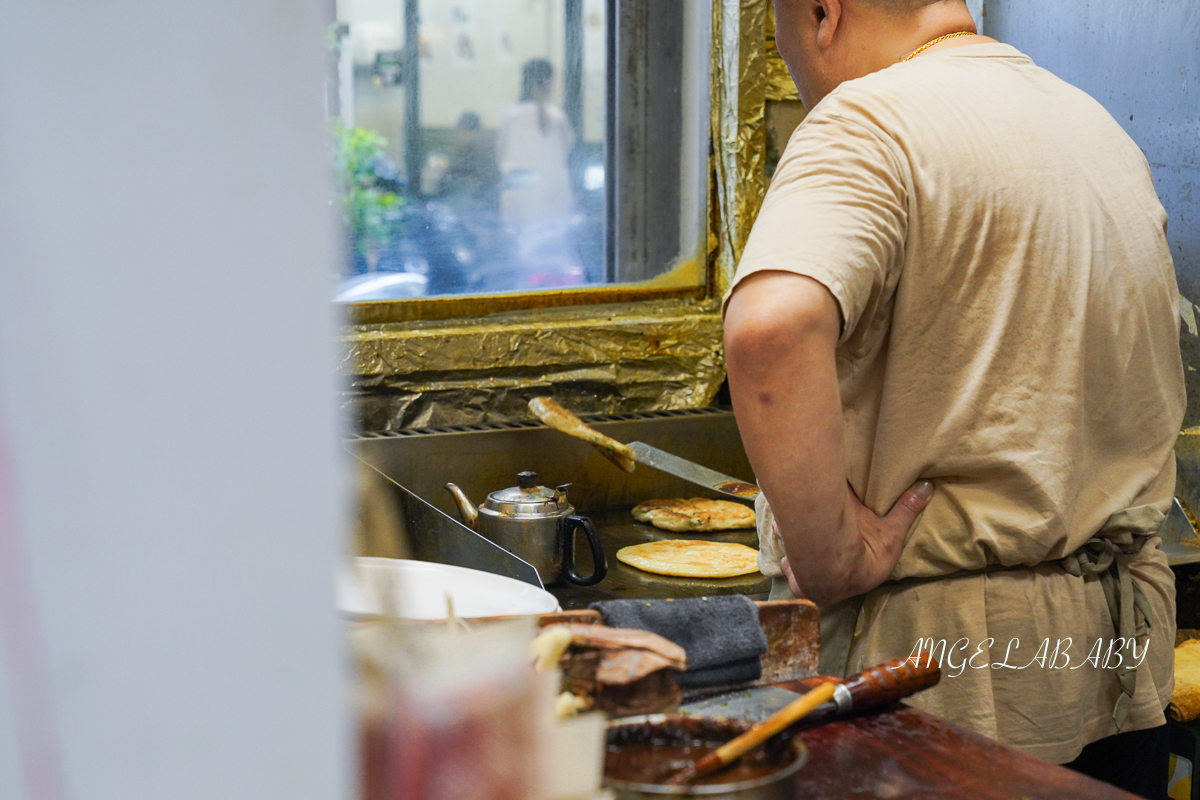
(826, 42)
(901, 6)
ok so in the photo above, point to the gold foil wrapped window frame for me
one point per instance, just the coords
(652, 357)
(739, 72)
(472, 365)
(784, 111)
(779, 83)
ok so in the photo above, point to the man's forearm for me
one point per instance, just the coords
(780, 340)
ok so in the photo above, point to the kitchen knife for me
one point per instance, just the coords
(871, 688)
(710, 479)
(553, 415)
(1179, 541)
(754, 704)
(876, 686)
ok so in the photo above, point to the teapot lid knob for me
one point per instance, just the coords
(527, 480)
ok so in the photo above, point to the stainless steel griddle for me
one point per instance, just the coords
(482, 459)
(618, 529)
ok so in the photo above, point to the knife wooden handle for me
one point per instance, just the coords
(891, 681)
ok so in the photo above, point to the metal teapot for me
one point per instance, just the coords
(536, 524)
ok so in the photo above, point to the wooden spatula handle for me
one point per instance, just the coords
(548, 410)
(735, 748)
(885, 683)
(892, 681)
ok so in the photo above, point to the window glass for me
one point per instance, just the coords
(488, 146)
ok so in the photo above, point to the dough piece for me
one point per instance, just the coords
(1185, 699)
(696, 514)
(689, 558)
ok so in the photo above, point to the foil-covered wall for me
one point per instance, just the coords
(638, 355)
(780, 85)
(739, 72)
(783, 109)
(597, 360)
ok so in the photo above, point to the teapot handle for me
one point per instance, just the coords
(600, 568)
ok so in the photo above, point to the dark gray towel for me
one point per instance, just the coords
(721, 635)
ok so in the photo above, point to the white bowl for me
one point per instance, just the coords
(420, 589)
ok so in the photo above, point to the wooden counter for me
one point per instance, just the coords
(905, 753)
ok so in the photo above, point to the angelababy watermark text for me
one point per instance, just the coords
(1103, 654)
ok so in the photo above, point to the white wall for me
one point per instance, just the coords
(170, 504)
(490, 82)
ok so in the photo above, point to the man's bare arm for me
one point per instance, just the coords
(781, 333)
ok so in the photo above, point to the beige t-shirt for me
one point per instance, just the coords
(998, 251)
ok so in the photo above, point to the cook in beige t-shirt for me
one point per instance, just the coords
(998, 253)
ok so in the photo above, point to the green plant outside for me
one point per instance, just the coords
(367, 210)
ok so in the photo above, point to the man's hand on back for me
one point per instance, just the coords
(781, 336)
(882, 538)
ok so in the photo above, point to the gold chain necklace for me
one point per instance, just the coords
(928, 45)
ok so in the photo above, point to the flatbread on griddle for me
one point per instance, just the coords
(690, 558)
(695, 514)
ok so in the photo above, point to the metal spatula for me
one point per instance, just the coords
(559, 418)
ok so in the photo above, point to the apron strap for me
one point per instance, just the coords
(1106, 556)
